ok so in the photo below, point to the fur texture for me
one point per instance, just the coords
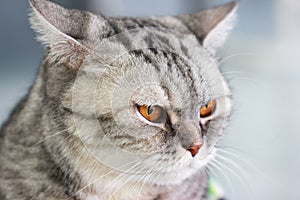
(78, 133)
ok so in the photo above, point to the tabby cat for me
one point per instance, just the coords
(122, 108)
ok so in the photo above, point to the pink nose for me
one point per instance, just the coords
(194, 149)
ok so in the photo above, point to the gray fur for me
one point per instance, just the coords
(77, 134)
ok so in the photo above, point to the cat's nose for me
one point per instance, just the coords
(194, 148)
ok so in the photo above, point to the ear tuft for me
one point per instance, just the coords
(52, 24)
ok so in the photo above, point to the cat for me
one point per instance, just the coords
(122, 107)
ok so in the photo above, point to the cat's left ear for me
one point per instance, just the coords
(211, 26)
(63, 31)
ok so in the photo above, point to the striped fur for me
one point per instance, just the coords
(78, 134)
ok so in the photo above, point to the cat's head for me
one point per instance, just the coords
(147, 95)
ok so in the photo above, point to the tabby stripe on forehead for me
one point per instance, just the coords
(124, 24)
(146, 54)
(175, 62)
(186, 70)
(116, 28)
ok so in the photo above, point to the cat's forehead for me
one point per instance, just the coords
(140, 39)
(118, 25)
(154, 76)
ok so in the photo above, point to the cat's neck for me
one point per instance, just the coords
(118, 186)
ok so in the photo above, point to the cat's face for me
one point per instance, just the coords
(147, 100)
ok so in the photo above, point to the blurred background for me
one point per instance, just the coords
(259, 156)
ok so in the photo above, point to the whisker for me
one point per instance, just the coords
(223, 174)
(243, 173)
(251, 80)
(51, 136)
(99, 178)
(235, 55)
(241, 180)
(244, 161)
(132, 177)
(146, 177)
(117, 180)
(122, 176)
(236, 72)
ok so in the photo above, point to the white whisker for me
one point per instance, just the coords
(51, 136)
(230, 151)
(235, 55)
(117, 180)
(99, 178)
(240, 179)
(144, 179)
(227, 179)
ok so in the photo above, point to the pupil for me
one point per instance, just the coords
(150, 110)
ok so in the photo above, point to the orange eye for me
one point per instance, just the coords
(208, 109)
(154, 113)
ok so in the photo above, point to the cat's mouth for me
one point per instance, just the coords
(173, 175)
(170, 171)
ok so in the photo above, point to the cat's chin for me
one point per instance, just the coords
(176, 176)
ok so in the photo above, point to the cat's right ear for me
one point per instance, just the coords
(211, 26)
(62, 31)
